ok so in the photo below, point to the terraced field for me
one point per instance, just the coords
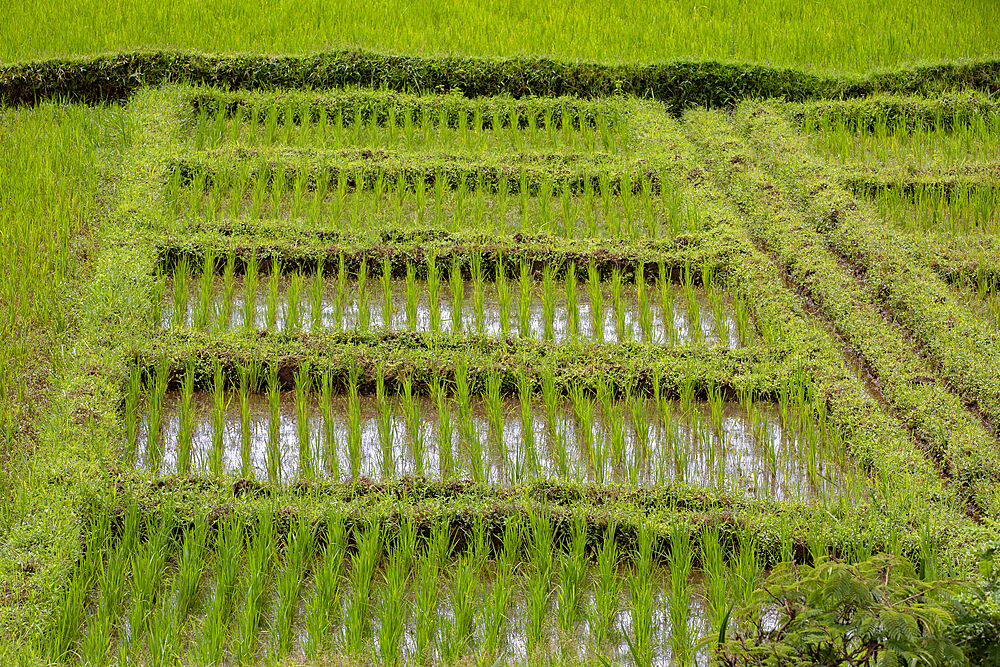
(365, 375)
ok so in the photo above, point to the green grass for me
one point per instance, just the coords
(847, 34)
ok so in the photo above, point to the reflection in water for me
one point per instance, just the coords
(634, 442)
(677, 316)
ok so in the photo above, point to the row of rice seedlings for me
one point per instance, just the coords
(963, 211)
(786, 450)
(982, 293)
(657, 312)
(895, 142)
(400, 598)
(643, 209)
(401, 129)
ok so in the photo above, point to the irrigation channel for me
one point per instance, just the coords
(549, 310)
(760, 451)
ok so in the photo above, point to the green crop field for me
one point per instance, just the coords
(500, 333)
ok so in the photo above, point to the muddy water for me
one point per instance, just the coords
(749, 454)
(686, 315)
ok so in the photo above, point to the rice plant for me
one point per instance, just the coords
(354, 423)
(303, 387)
(679, 561)
(596, 301)
(541, 552)
(457, 291)
(323, 608)
(642, 600)
(185, 427)
(299, 550)
(385, 425)
(273, 454)
(357, 618)
(572, 578)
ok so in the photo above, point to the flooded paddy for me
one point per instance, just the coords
(559, 312)
(756, 453)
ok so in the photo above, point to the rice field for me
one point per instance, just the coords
(296, 373)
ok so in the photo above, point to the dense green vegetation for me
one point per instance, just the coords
(439, 359)
(841, 35)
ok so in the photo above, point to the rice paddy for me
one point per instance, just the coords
(514, 362)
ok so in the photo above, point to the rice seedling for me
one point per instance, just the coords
(679, 562)
(250, 278)
(328, 442)
(716, 579)
(190, 569)
(385, 425)
(572, 304)
(340, 302)
(614, 420)
(181, 291)
(323, 607)
(148, 563)
(414, 425)
(548, 303)
(642, 599)
(530, 463)
(524, 300)
(573, 578)
(457, 291)
(206, 309)
(494, 411)
(299, 552)
(666, 306)
(596, 301)
(364, 311)
(392, 605)
(427, 593)
(357, 619)
(293, 296)
(445, 430)
(216, 457)
(248, 384)
(257, 574)
(303, 387)
(645, 310)
(185, 429)
(162, 633)
(386, 293)
(745, 571)
(272, 303)
(457, 633)
(157, 381)
(225, 313)
(503, 297)
(541, 554)
(433, 293)
(591, 443)
(354, 423)
(641, 428)
(411, 297)
(273, 454)
(478, 295)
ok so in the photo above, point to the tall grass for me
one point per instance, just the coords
(841, 35)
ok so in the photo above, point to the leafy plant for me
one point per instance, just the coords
(876, 612)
